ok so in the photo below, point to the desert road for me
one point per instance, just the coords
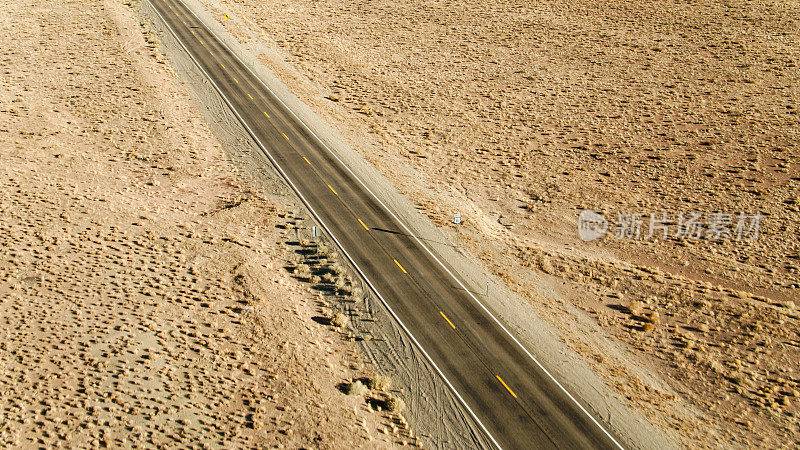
(516, 402)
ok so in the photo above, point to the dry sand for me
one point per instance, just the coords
(520, 115)
(143, 292)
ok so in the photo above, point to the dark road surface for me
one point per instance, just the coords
(512, 397)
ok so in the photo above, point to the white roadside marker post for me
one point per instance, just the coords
(314, 236)
(457, 221)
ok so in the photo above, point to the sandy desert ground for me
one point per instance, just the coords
(521, 114)
(143, 293)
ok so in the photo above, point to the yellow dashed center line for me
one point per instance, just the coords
(184, 22)
(448, 320)
(359, 220)
(506, 386)
(201, 42)
(191, 30)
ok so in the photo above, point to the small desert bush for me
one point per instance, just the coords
(339, 320)
(341, 286)
(302, 270)
(653, 317)
(338, 269)
(355, 388)
(394, 404)
(545, 265)
(736, 378)
(635, 307)
(327, 277)
(379, 382)
(701, 304)
(314, 279)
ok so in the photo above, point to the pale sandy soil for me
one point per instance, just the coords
(521, 114)
(143, 294)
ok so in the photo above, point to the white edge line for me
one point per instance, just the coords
(230, 105)
(409, 231)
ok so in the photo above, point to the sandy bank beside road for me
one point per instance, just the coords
(143, 294)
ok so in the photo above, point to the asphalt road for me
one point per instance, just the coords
(515, 401)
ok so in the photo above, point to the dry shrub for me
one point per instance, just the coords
(738, 294)
(635, 307)
(715, 365)
(339, 320)
(302, 270)
(736, 378)
(545, 265)
(653, 317)
(379, 382)
(701, 304)
(394, 404)
(648, 327)
(341, 286)
(355, 388)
